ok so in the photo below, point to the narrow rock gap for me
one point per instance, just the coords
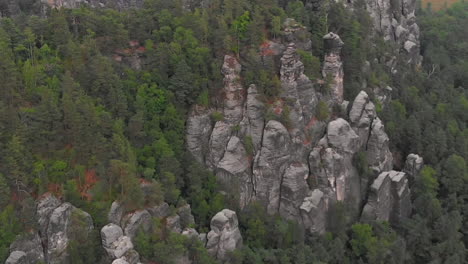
(370, 133)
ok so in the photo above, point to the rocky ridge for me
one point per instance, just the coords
(280, 154)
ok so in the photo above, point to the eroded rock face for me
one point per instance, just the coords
(389, 198)
(224, 236)
(413, 164)
(30, 244)
(65, 222)
(114, 242)
(136, 221)
(276, 152)
(333, 65)
(17, 257)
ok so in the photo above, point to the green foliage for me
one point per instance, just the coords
(217, 116)
(311, 64)
(322, 112)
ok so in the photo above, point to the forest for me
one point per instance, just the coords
(95, 102)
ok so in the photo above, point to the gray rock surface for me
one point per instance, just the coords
(114, 242)
(17, 257)
(333, 65)
(136, 221)
(65, 221)
(186, 217)
(224, 236)
(173, 223)
(389, 198)
(271, 163)
(160, 211)
(115, 213)
(45, 206)
(31, 245)
(413, 165)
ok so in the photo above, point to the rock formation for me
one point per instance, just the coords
(279, 154)
(389, 198)
(58, 224)
(333, 65)
(26, 249)
(224, 236)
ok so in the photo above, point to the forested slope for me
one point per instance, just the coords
(96, 106)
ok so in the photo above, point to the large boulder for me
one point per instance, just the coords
(314, 211)
(65, 223)
(17, 257)
(115, 213)
(413, 165)
(224, 236)
(114, 242)
(134, 222)
(271, 163)
(389, 198)
(31, 244)
(45, 206)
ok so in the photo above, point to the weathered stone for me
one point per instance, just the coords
(378, 155)
(17, 257)
(114, 242)
(333, 65)
(133, 222)
(224, 236)
(294, 189)
(253, 122)
(199, 127)
(233, 171)
(64, 220)
(173, 223)
(120, 261)
(314, 212)
(186, 217)
(29, 243)
(45, 206)
(115, 213)
(190, 232)
(389, 198)
(413, 165)
(160, 211)
(271, 163)
(341, 136)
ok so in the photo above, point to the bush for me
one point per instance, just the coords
(323, 112)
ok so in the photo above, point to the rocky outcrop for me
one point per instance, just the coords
(65, 222)
(17, 257)
(373, 139)
(333, 66)
(276, 152)
(224, 236)
(27, 248)
(114, 242)
(389, 198)
(413, 165)
(134, 222)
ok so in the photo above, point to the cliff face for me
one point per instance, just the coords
(285, 155)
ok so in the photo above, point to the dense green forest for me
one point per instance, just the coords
(94, 102)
